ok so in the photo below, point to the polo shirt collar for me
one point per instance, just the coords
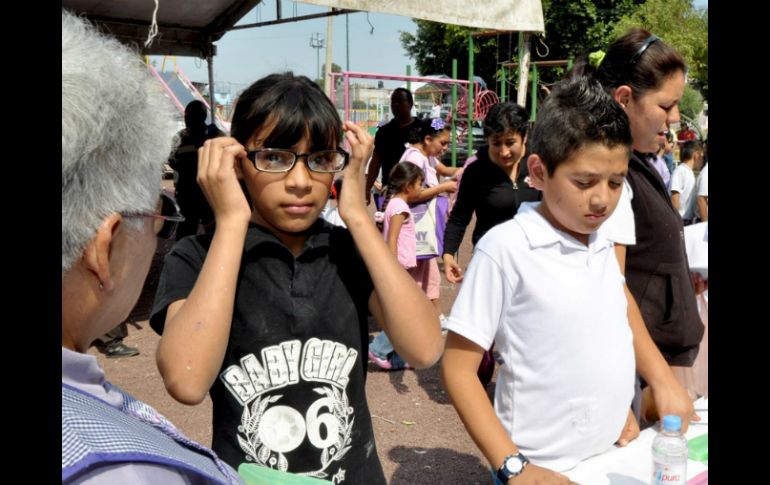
(540, 233)
(318, 236)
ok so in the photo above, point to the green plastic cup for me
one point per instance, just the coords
(259, 475)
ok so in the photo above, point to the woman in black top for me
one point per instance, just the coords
(494, 185)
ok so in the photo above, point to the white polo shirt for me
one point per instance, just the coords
(556, 310)
(701, 188)
(683, 181)
(620, 227)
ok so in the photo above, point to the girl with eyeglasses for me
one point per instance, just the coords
(269, 314)
(646, 77)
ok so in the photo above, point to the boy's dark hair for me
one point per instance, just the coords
(424, 127)
(689, 148)
(406, 92)
(506, 116)
(401, 175)
(295, 107)
(576, 113)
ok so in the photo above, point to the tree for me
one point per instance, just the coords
(691, 103)
(680, 25)
(572, 27)
(337, 80)
(435, 45)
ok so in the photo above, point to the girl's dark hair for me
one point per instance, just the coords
(506, 116)
(293, 106)
(402, 175)
(637, 60)
(424, 127)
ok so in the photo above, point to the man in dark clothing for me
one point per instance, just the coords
(189, 195)
(391, 138)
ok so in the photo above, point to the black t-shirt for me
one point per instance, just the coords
(486, 189)
(390, 143)
(290, 393)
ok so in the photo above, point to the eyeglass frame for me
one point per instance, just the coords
(251, 155)
(170, 222)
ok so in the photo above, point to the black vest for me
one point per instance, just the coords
(657, 272)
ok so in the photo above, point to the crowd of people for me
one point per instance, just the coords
(578, 286)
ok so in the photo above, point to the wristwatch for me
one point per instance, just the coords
(512, 466)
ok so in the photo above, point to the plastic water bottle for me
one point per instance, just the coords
(669, 454)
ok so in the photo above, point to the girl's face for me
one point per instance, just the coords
(437, 144)
(290, 202)
(506, 148)
(413, 190)
(651, 114)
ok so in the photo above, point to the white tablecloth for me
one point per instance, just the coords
(632, 465)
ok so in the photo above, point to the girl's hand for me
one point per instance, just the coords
(218, 174)
(450, 187)
(351, 200)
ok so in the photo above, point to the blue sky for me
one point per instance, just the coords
(243, 56)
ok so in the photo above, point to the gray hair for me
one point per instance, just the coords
(117, 131)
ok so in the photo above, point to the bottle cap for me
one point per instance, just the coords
(672, 422)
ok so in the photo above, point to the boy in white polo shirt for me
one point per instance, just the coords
(683, 180)
(547, 289)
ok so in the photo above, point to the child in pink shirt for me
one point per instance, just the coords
(405, 186)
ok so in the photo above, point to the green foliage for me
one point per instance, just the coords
(680, 25)
(435, 45)
(691, 103)
(572, 27)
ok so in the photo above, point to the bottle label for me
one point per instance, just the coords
(669, 474)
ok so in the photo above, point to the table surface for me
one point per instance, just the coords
(632, 465)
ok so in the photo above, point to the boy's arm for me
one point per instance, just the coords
(670, 396)
(458, 374)
(196, 331)
(703, 207)
(675, 200)
(399, 305)
(371, 176)
(393, 230)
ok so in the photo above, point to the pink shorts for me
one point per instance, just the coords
(427, 275)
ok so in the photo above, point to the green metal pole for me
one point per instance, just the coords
(533, 113)
(502, 85)
(409, 73)
(454, 113)
(470, 94)
(569, 63)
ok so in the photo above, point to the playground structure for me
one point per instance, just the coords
(182, 91)
(461, 118)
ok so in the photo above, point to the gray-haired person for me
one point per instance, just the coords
(117, 131)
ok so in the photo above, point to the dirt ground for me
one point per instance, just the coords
(419, 436)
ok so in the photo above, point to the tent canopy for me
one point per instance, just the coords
(189, 27)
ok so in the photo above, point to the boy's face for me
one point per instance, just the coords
(506, 148)
(287, 203)
(584, 190)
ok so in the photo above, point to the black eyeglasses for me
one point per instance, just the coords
(165, 222)
(647, 43)
(278, 160)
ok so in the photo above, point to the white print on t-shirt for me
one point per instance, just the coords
(269, 431)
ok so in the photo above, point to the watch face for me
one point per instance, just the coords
(514, 464)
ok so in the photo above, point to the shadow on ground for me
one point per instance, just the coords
(436, 465)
